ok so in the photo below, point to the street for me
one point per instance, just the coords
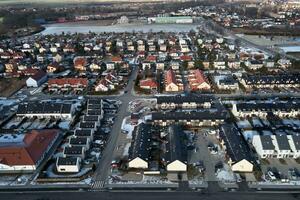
(102, 171)
(132, 195)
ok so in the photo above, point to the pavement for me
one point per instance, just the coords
(103, 169)
(135, 195)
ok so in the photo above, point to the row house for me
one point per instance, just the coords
(65, 84)
(262, 109)
(270, 81)
(172, 83)
(184, 102)
(197, 80)
(277, 146)
(239, 155)
(193, 119)
(226, 83)
(254, 64)
(45, 110)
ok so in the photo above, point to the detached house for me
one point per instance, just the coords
(53, 67)
(148, 84)
(37, 79)
(80, 63)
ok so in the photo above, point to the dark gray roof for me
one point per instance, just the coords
(94, 102)
(94, 111)
(272, 79)
(236, 146)
(66, 161)
(269, 106)
(283, 143)
(178, 99)
(83, 132)
(141, 143)
(94, 106)
(91, 118)
(175, 146)
(78, 141)
(47, 107)
(203, 115)
(296, 139)
(266, 142)
(73, 150)
(228, 80)
(87, 125)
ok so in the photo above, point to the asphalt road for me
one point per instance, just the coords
(102, 170)
(132, 195)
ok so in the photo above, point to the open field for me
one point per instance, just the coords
(10, 86)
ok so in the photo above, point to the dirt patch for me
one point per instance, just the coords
(10, 86)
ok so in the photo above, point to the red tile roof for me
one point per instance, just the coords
(151, 58)
(196, 78)
(170, 77)
(80, 61)
(30, 150)
(185, 58)
(39, 75)
(71, 81)
(148, 83)
(29, 71)
(116, 59)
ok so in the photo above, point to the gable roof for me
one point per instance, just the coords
(175, 147)
(39, 75)
(236, 147)
(30, 150)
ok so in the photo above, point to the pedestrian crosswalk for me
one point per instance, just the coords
(98, 185)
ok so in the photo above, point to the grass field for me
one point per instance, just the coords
(9, 86)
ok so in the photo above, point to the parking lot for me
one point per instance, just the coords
(208, 151)
(280, 170)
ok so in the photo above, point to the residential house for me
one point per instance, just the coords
(197, 80)
(68, 164)
(149, 83)
(37, 79)
(171, 83)
(239, 155)
(65, 84)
